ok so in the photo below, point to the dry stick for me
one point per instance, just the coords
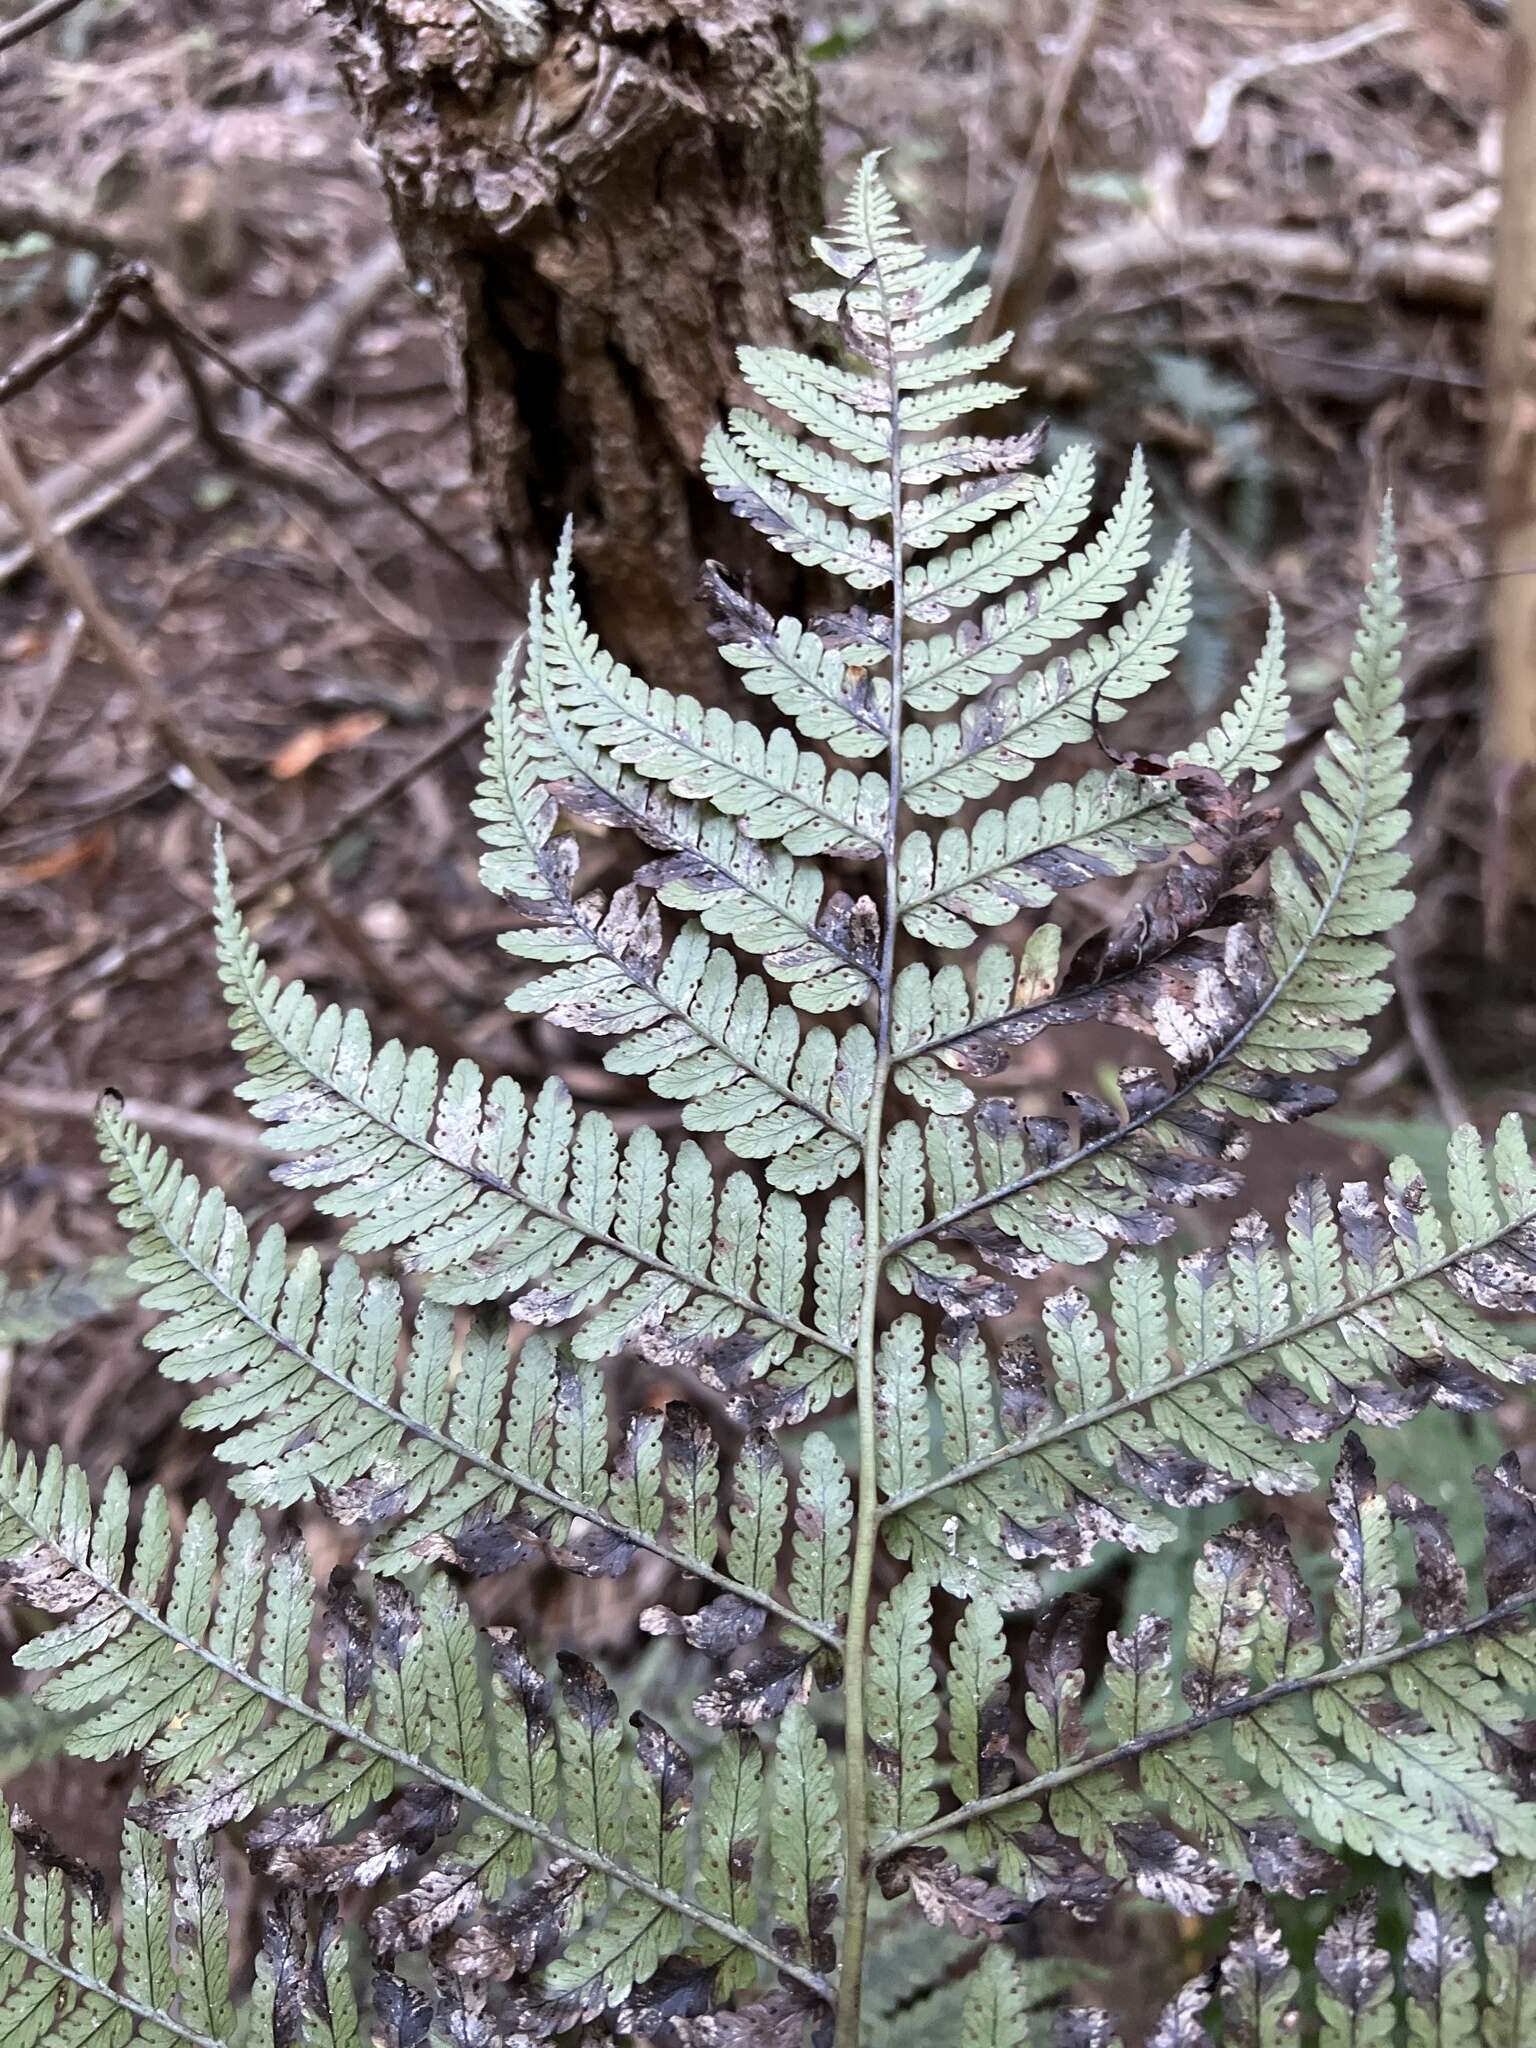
(1223, 95)
(132, 452)
(1023, 256)
(43, 15)
(1426, 1042)
(123, 954)
(1296, 259)
(98, 312)
(186, 343)
(60, 660)
(68, 572)
(1509, 464)
(207, 782)
(306, 422)
(169, 1118)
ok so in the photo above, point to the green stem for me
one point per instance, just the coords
(123, 2001)
(866, 1540)
(865, 1549)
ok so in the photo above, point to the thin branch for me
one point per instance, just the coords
(61, 657)
(81, 1105)
(119, 461)
(159, 938)
(42, 16)
(99, 311)
(1294, 259)
(1024, 250)
(205, 779)
(186, 343)
(1426, 1040)
(306, 422)
(1225, 91)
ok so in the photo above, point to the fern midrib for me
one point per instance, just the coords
(1299, 1687)
(493, 1184)
(123, 2000)
(681, 1560)
(1144, 1397)
(1042, 1176)
(856, 1814)
(421, 1767)
(655, 833)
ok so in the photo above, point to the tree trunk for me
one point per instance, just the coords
(603, 198)
(1511, 484)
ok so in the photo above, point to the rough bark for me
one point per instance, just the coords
(603, 201)
(1511, 482)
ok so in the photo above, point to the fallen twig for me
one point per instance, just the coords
(204, 779)
(1024, 248)
(1292, 259)
(1449, 1099)
(99, 311)
(136, 281)
(152, 435)
(80, 1104)
(42, 16)
(60, 656)
(123, 954)
(1224, 94)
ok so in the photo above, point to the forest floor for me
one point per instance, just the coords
(1211, 193)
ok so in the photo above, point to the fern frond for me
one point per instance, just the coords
(762, 898)
(1330, 1741)
(540, 1856)
(1372, 1309)
(211, 1674)
(66, 1982)
(1026, 721)
(824, 678)
(1101, 825)
(791, 523)
(471, 1456)
(1246, 1019)
(775, 789)
(489, 1194)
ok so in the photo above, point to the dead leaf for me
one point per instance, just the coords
(60, 860)
(311, 743)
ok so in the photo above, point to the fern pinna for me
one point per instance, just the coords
(865, 1519)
